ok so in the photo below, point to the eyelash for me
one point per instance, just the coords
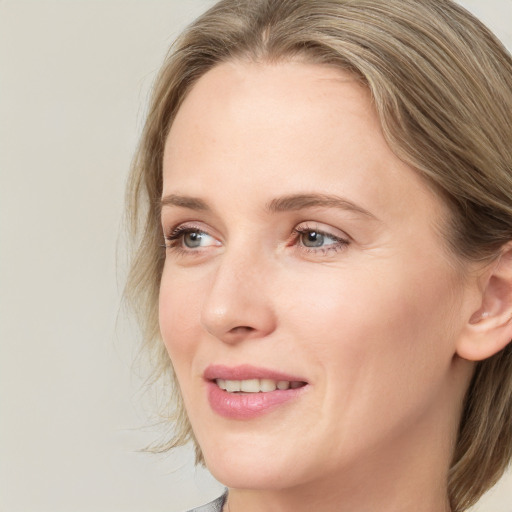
(174, 240)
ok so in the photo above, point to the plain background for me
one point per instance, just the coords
(74, 80)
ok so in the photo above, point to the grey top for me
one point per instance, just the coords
(213, 506)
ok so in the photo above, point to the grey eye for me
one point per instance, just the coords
(192, 239)
(312, 239)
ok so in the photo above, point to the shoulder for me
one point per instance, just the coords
(213, 506)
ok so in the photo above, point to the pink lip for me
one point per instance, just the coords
(245, 406)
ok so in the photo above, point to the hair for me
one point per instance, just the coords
(441, 84)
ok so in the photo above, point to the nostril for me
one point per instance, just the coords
(242, 329)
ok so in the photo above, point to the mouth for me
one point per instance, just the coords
(257, 385)
(246, 392)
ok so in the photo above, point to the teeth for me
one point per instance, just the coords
(232, 386)
(250, 386)
(256, 385)
(267, 385)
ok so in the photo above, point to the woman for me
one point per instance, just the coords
(331, 183)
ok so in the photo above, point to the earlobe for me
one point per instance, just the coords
(489, 328)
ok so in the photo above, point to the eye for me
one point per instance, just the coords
(189, 238)
(313, 239)
(193, 239)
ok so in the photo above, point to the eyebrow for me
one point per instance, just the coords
(299, 201)
(292, 202)
(192, 203)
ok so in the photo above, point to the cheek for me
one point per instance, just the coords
(386, 337)
(178, 315)
(349, 304)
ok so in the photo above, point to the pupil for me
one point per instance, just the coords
(192, 239)
(313, 239)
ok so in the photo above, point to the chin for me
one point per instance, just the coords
(247, 477)
(251, 466)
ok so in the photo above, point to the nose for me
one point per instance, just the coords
(238, 305)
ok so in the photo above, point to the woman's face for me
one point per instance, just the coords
(304, 266)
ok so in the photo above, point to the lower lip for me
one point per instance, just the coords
(245, 406)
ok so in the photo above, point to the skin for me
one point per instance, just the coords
(372, 322)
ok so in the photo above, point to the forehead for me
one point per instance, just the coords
(262, 101)
(291, 127)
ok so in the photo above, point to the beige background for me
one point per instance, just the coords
(74, 78)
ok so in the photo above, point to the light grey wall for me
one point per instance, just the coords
(74, 77)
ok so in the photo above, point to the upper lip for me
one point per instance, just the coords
(246, 372)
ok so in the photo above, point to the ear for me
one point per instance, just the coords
(489, 328)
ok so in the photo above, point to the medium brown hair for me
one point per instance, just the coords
(441, 84)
